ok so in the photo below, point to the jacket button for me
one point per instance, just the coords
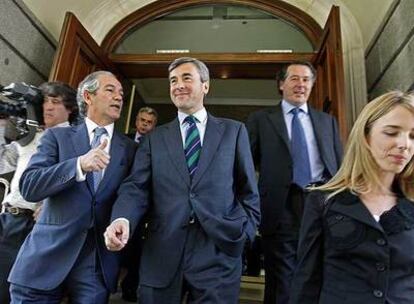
(381, 242)
(380, 266)
(378, 293)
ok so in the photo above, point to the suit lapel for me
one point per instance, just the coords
(81, 143)
(278, 122)
(116, 152)
(351, 206)
(212, 138)
(320, 128)
(174, 143)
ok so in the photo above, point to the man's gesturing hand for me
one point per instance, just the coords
(96, 159)
(116, 235)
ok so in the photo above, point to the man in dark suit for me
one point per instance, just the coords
(293, 146)
(145, 122)
(76, 171)
(196, 177)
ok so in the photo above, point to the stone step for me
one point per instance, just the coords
(251, 290)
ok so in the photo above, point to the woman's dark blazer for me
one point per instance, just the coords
(346, 256)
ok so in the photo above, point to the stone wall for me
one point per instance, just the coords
(390, 57)
(26, 48)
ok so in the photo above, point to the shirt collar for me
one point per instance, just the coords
(62, 124)
(91, 125)
(200, 115)
(287, 107)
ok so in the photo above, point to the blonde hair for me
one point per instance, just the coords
(359, 170)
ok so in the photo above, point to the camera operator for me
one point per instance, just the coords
(18, 217)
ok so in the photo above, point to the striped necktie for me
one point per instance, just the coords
(299, 150)
(96, 141)
(192, 146)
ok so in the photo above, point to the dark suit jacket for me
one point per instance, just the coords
(270, 147)
(70, 208)
(223, 195)
(346, 257)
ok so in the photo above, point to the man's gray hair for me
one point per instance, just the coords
(149, 111)
(91, 85)
(201, 67)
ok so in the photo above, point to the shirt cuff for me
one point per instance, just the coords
(121, 219)
(80, 176)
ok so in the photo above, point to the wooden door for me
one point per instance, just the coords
(329, 90)
(78, 54)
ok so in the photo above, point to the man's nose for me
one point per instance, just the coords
(47, 106)
(118, 96)
(180, 84)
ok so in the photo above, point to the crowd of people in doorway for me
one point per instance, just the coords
(177, 204)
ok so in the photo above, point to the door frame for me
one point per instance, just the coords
(157, 9)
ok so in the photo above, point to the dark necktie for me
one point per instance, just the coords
(299, 149)
(96, 141)
(192, 146)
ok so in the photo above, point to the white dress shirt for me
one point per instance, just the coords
(201, 123)
(316, 165)
(91, 126)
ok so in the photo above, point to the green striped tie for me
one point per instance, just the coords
(192, 146)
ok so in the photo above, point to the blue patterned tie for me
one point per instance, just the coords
(192, 146)
(96, 141)
(299, 149)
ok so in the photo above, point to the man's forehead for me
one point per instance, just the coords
(52, 98)
(106, 80)
(184, 69)
(298, 69)
(146, 115)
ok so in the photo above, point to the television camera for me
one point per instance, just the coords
(22, 105)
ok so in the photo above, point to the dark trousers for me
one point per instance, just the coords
(84, 283)
(279, 250)
(131, 258)
(252, 257)
(13, 232)
(206, 275)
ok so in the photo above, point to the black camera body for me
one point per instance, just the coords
(22, 105)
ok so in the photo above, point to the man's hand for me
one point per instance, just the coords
(116, 235)
(36, 213)
(96, 159)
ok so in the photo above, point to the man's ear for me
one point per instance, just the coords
(206, 87)
(87, 97)
(280, 85)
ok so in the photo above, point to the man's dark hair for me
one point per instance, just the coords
(200, 66)
(282, 74)
(64, 91)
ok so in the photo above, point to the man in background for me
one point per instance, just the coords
(18, 217)
(293, 146)
(145, 122)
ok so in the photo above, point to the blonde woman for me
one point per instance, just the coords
(357, 236)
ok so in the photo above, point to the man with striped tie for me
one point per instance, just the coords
(196, 177)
